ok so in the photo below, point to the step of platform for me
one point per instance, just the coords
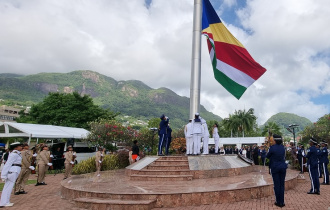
(109, 204)
(174, 158)
(164, 168)
(170, 162)
(164, 172)
(138, 177)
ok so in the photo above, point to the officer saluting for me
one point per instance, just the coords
(162, 133)
(312, 164)
(10, 173)
(276, 155)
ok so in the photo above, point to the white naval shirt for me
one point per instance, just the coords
(13, 158)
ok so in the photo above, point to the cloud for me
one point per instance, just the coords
(152, 42)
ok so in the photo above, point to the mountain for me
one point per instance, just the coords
(131, 98)
(285, 119)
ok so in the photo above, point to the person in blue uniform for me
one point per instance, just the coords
(162, 133)
(325, 162)
(319, 166)
(300, 155)
(263, 153)
(312, 163)
(276, 155)
(10, 172)
(168, 139)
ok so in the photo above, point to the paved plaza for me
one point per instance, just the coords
(48, 198)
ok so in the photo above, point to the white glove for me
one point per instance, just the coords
(75, 154)
(49, 164)
(51, 156)
(72, 162)
(31, 168)
(102, 155)
(35, 155)
(4, 180)
(100, 161)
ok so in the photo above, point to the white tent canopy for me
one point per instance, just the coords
(11, 129)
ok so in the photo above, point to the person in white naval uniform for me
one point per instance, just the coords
(189, 138)
(206, 136)
(216, 137)
(10, 173)
(198, 132)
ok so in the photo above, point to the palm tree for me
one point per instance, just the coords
(271, 127)
(240, 121)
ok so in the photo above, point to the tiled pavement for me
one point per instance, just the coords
(48, 198)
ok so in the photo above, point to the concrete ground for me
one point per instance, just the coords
(48, 197)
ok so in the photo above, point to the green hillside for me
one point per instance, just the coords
(132, 98)
(285, 119)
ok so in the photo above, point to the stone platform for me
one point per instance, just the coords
(117, 189)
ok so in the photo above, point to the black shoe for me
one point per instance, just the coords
(160, 155)
(317, 192)
(310, 192)
(37, 184)
(324, 183)
(16, 193)
(43, 183)
(276, 204)
(22, 192)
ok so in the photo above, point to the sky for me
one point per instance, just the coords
(151, 41)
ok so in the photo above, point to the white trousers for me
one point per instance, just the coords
(7, 188)
(197, 143)
(216, 144)
(189, 145)
(206, 145)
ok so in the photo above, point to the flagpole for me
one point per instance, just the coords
(195, 81)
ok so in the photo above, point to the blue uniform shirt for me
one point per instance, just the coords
(312, 159)
(263, 153)
(276, 155)
(163, 126)
(324, 155)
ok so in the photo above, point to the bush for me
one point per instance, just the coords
(110, 162)
(122, 159)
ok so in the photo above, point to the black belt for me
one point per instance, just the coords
(19, 165)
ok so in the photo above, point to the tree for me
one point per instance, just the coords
(319, 130)
(72, 110)
(271, 127)
(241, 121)
(154, 122)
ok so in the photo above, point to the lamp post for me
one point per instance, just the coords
(153, 135)
(291, 128)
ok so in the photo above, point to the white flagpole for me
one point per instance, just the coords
(195, 81)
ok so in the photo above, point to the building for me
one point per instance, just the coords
(8, 114)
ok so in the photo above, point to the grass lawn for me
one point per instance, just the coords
(30, 181)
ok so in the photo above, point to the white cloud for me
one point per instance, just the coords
(125, 40)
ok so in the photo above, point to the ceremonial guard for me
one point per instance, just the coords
(162, 132)
(325, 162)
(312, 163)
(168, 139)
(216, 137)
(69, 161)
(43, 165)
(135, 151)
(25, 170)
(98, 160)
(206, 136)
(263, 153)
(319, 166)
(198, 132)
(300, 155)
(10, 172)
(276, 156)
(189, 138)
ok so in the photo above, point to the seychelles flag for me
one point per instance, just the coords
(233, 66)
